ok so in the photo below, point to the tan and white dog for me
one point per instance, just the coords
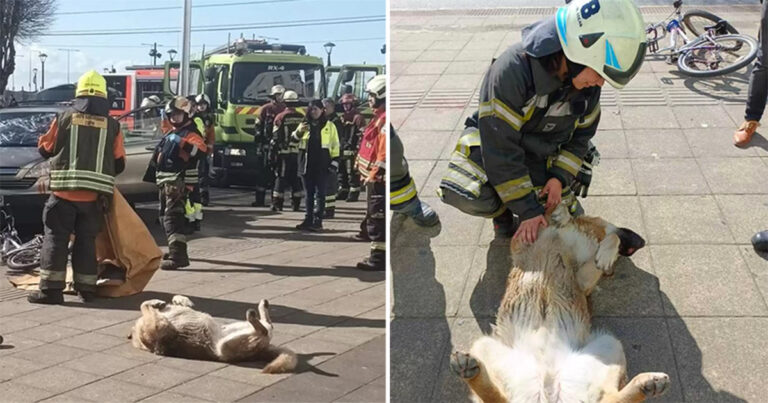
(543, 348)
(177, 330)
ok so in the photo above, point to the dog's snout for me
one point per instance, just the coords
(630, 243)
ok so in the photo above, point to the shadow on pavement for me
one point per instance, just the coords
(291, 271)
(235, 310)
(726, 83)
(302, 366)
(420, 332)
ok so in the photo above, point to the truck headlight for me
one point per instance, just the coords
(235, 151)
(35, 170)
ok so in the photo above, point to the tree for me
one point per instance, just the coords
(20, 20)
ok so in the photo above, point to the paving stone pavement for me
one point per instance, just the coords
(331, 314)
(691, 304)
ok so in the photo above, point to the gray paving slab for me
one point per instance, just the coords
(657, 143)
(648, 117)
(715, 142)
(613, 177)
(111, 390)
(695, 284)
(418, 349)
(611, 143)
(702, 116)
(669, 176)
(741, 175)
(684, 219)
(424, 145)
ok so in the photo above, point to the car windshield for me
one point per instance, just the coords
(142, 124)
(22, 129)
(252, 82)
(353, 81)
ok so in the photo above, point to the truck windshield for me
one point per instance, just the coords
(251, 82)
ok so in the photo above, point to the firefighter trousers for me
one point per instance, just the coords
(349, 177)
(375, 221)
(62, 218)
(174, 220)
(287, 177)
(331, 189)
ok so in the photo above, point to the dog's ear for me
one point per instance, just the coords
(630, 241)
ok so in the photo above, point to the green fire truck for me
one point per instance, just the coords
(352, 78)
(238, 77)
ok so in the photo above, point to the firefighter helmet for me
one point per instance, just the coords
(377, 86)
(151, 101)
(290, 96)
(605, 35)
(202, 98)
(91, 84)
(277, 90)
(179, 103)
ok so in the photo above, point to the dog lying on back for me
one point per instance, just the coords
(177, 330)
(543, 348)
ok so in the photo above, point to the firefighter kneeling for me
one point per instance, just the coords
(175, 155)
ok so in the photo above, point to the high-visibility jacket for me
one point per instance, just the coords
(329, 143)
(83, 154)
(372, 157)
(191, 148)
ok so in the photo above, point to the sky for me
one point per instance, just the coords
(355, 43)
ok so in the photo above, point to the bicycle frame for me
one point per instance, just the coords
(9, 236)
(671, 26)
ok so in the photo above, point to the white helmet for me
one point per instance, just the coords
(277, 89)
(152, 100)
(200, 98)
(606, 35)
(377, 86)
(290, 96)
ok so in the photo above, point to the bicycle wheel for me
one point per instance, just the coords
(696, 20)
(728, 53)
(24, 259)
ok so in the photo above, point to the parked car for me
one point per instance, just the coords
(23, 172)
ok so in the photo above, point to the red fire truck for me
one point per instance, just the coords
(131, 87)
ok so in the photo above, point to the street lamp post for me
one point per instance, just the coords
(328, 49)
(172, 53)
(43, 56)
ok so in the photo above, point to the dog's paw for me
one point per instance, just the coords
(251, 315)
(652, 384)
(155, 303)
(182, 300)
(464, 365)
(264, 304)
(605, 259)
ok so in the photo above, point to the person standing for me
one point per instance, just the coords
(205, 119)
(175, 155)
(758, 86)
(319, 156)
(264, 123)
(371, 162)
(287, 158)
(332, 183)
(352, 124)
(85, 148)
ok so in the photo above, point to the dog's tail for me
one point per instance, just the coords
(280, 359)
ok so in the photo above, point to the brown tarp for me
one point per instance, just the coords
(124, 242)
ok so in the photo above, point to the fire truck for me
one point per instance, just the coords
(128, 89)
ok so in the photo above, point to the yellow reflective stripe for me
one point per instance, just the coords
(568, 161)
(498, 212)
(463, 182)
(176, 237)
(73, 147)
(499, 109)
(470, 139)
(69, 175)
(77, 184)
(514, 189)
(378, 245)
(588, 120)
(53, 275)
(403, 195)
(89, 279)
(470, 167)
(100, 150)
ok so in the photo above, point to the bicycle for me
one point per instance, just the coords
(717, 49)
(18, 256)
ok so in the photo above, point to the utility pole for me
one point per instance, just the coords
(69, 51)
(153, 53)
(186, 27)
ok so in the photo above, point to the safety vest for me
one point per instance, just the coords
(84, 153)
(366, 157)
(329, 140)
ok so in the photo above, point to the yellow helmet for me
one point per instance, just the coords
(91, 84)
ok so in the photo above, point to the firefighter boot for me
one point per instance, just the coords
(343, 194)
(205, 198)
(330, 212)
(426, 217)
(86, 296)
(296, 203)
(354, 195)
(260, 198)
(373, 263)
(177, 256)
(277, 204)
(49, 297)
(760, 242)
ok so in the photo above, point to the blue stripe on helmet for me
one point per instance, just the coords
(562, 12)
(610, 56)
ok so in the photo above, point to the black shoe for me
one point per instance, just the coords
(197, 225)
(277, 204)
(760, 242)
(342, 195)
(48, 297)
(260, 200)
(329, 213)
(361, 237)
(205, 199)
(170, 264)
(367, 265)
(316, 227)
(86, 296)
(296, 203)
(353, 196)
(305, 225)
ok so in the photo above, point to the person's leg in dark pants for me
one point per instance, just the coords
(320, 182)
(310, 188)
(204, 180)
(59, 217)
(758, 86)
(376, 223)
(174, 223)
(87, 226)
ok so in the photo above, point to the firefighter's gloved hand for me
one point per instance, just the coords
(583, 179)
(174, 138)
